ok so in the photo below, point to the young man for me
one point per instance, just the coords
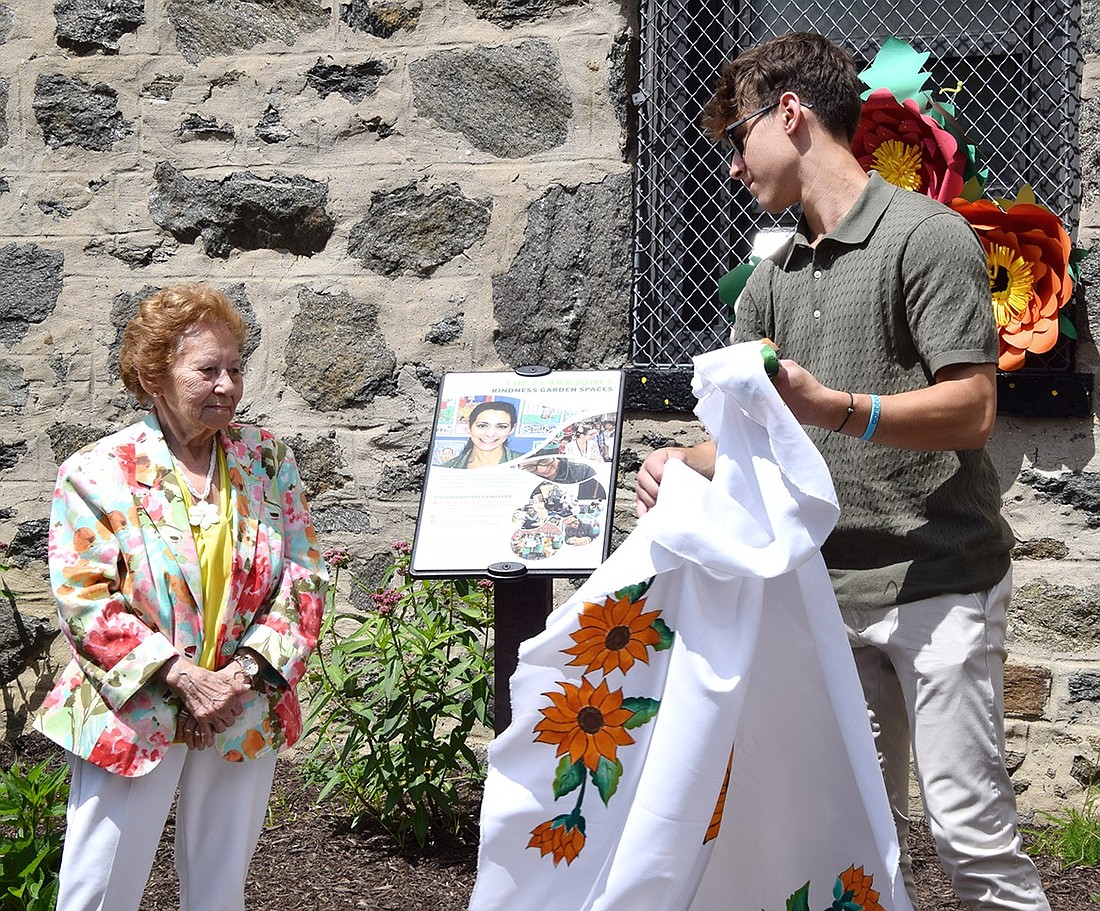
(880, 307)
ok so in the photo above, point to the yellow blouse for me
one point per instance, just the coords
(214, 545)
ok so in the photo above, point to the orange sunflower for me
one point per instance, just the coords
(1028, 252)
(854, 880)
(585, 722)
(614, 634)
(563, 837)
(908, 148)
(720, 806)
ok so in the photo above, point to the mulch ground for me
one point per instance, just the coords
(310, 859)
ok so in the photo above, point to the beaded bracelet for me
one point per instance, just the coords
(872, 421)
(851, 411)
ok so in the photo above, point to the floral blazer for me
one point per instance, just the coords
(125, 574)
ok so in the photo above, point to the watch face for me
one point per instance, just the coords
(248, 665)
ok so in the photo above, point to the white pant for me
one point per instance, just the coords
(115, 824)
(933, 677)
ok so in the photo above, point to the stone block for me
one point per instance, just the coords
(560, 304)
(283, 213)
(88, 26)
(381, 18)
(509, 101)
(337, 357)
(510, 13)
(205, 29)
(1027, 690)
(406, 230)
(72, 112)
(30, 284)
(1063, 617)
(1084, 686)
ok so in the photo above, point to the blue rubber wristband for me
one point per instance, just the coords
(872, 421)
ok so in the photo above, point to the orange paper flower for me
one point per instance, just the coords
(563, 837)
(586, 723)
(908, 148)
(1028, 252)
(613, 635)
(859, 884)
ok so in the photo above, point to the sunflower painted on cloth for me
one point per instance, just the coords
(908, 148)
(851, 892)
(586, 722)
(562, 837)
(615, 634)
(1029, 254)
(720, 805)
(589, 723)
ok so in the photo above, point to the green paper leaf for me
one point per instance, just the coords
(667, 635)
(1065, 327)
(732, 284)
(606, 778)
(568, 777)
(800, 900)
(972, 190)
(644, 709)
(897, 67)
(1075, 256)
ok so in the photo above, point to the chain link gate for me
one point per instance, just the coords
(1020, 68)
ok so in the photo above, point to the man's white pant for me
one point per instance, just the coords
(114, 826)
(933, 676)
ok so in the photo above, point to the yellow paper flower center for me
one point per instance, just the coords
(898, 163)
(1010, 280)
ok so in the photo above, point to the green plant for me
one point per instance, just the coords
(31, 804)
(396, 700)
(1072, 835)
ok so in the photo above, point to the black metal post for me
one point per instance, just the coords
(522, 604)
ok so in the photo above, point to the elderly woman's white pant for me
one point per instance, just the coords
(115, 824)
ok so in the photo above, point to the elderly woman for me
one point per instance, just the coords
(190, 587)
(491, 423)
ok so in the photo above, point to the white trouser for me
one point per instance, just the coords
(933, 677)
(115, 824)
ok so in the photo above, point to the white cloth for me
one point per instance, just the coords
(757, 660)
(114, 825)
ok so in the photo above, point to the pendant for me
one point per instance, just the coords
(202, 514)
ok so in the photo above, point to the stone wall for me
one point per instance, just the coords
(391, 189)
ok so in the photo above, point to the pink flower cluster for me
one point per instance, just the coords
(385, 601)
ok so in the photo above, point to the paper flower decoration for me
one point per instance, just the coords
(1029, 273)
(909, 149)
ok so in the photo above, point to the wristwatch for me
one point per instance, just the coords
(249, 665)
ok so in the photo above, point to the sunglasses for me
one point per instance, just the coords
(737, 141)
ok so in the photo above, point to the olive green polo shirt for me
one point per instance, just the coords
(898, 290)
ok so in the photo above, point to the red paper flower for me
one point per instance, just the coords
(1028, 252)
(908, 148)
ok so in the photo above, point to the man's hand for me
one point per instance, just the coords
(646, 486)
(648, 482)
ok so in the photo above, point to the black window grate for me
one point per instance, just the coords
(1020, 65)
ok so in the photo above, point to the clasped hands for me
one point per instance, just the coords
(211, 699)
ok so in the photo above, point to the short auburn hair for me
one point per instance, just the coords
(818, 71)
(151, 340)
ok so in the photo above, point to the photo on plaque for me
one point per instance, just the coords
(521, 468)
